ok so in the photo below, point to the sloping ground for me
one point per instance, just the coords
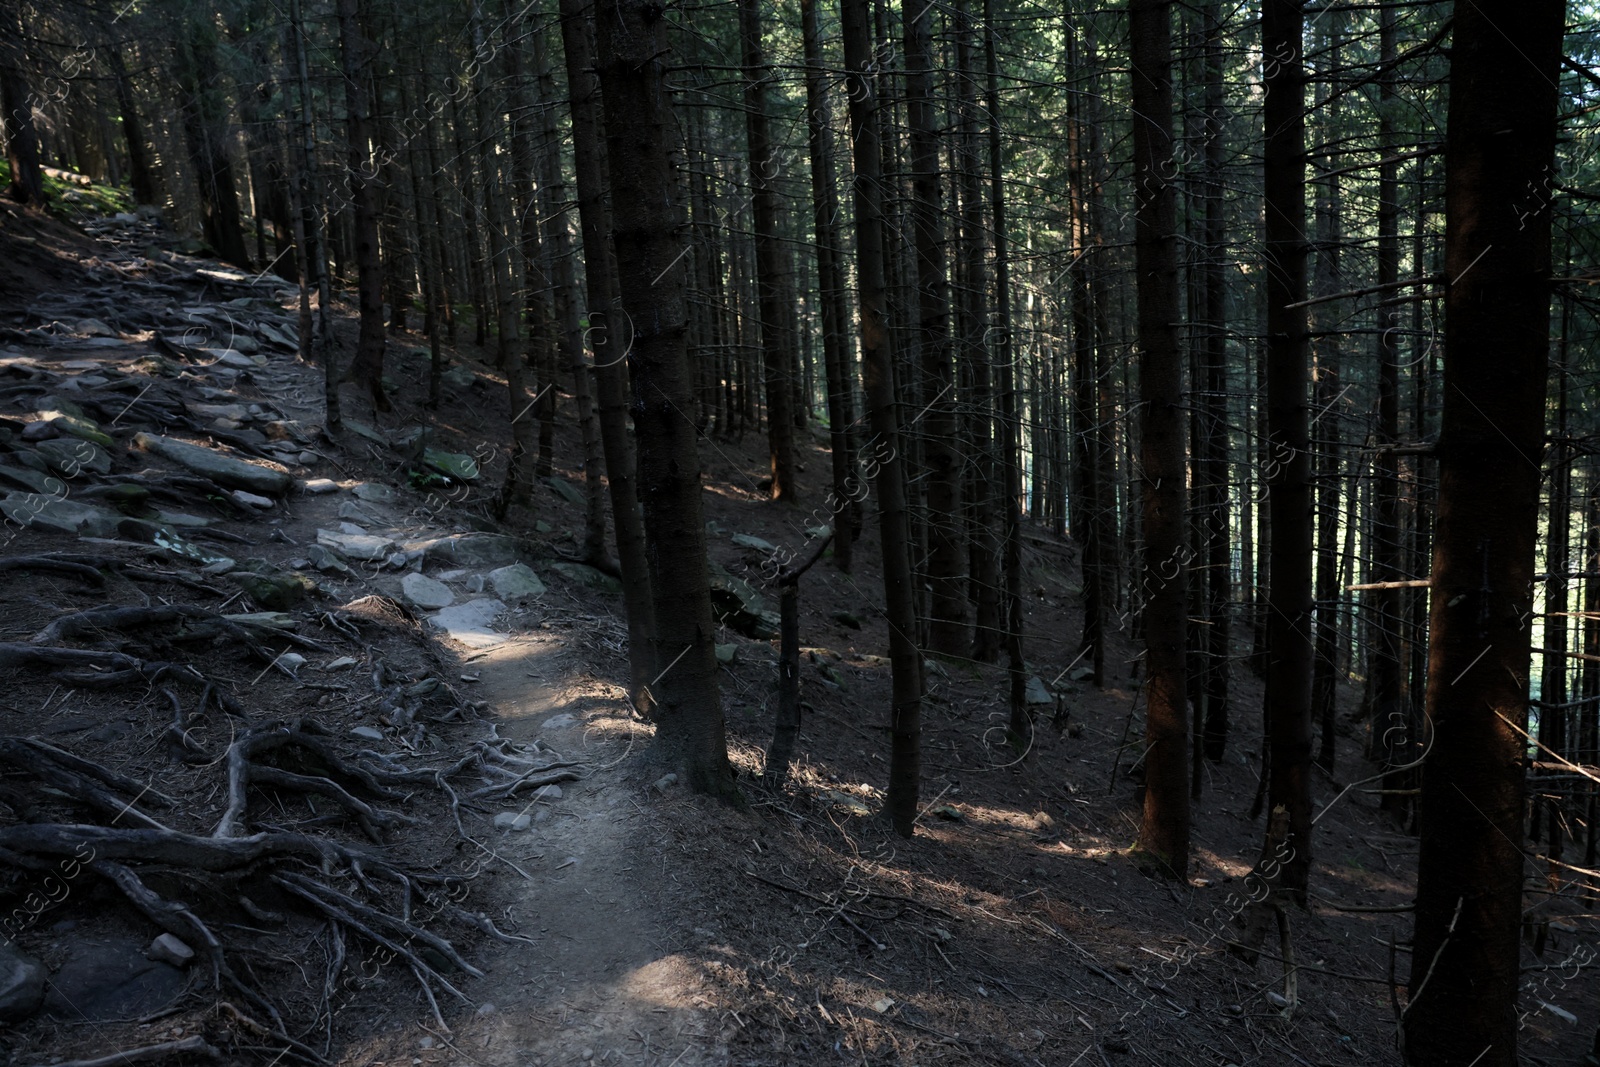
(269, 745)
(627, 923)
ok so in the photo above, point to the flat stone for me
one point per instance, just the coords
(277, 591)
(36, 481)
(179, 518)
(251, 500)
(356, 546)
(225, 470)
(749, 541)
(41, 512)
(457, 465)
(471, 549)
(361, 429)
(39, 431)
(319, 486)
(515, 582)
(586, 575)
(374, 493)
(1038, 693)
(232, 357)
(469, 623)
(367, 733)
(547, 792)
(77, 426)
(737, 604)
(92, 328)
(111, 979)
(512, 820)
(425, 593)
(236, 412)
(70, 457)
(349, 509)
(565, 490)
(169, 949)
(22, 984)
(728, 654)
(352, 529)
(561, 721)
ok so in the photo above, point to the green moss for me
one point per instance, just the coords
(71, 200)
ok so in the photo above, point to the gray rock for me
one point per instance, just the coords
(225, 470)
(476, 584)
(168, 949)
(664, 783)
(472, 549)
(320, 486)
(367, 733)
(70, 457)
(515, 582)
(1080, 674)
(747, 541)
(77, 426)
(1038, 692)
(458, 377)
(357, 545)
(565, 490)
(586, 575)
(307, 458)
(352, 529)
(728, 654)
(561, 721)
(251, 500)
(40, 512)
(425, 593)
(234, 412)
(232, 357)
(739, 607)
(512, 820)
(469, 623)
(349, 509)
(22, 982)
(457, 465)
(106, 980)
(35, 481)
(547, 792)
(93, 328)
(326, 560)
(39, 431)
(375, 493)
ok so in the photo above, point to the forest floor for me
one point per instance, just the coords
(261, 690)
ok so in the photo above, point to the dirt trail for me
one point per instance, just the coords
(602, 984)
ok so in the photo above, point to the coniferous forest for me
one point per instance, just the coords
(601, 530)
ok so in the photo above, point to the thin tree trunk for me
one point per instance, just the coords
(948, 623)
(316, 333)
(831, 293)
(355, 53)
(905, 722)
(1214, 463)
(774, 286)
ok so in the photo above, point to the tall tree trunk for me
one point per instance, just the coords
(16, 101)
(610, 364)
(774, 286)
(1389, 715)
(883, 452)
(648, 219)
(1213, 466)
(205, 121)
(831, 294)
(558, 250)
(355, 52)
(317, 339)
(1288, 693)
(1499, 148)
(949, 623)
(141, 178)
(1006, 384)
(1164, 831)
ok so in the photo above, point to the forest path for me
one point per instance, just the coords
(600, 985)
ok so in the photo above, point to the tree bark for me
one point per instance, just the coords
(1164, 831)
(1289, 640)
(355, 52)
(883, 451)
(610, 366)
(648, 222)
(774, 283)
(1499, 149)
